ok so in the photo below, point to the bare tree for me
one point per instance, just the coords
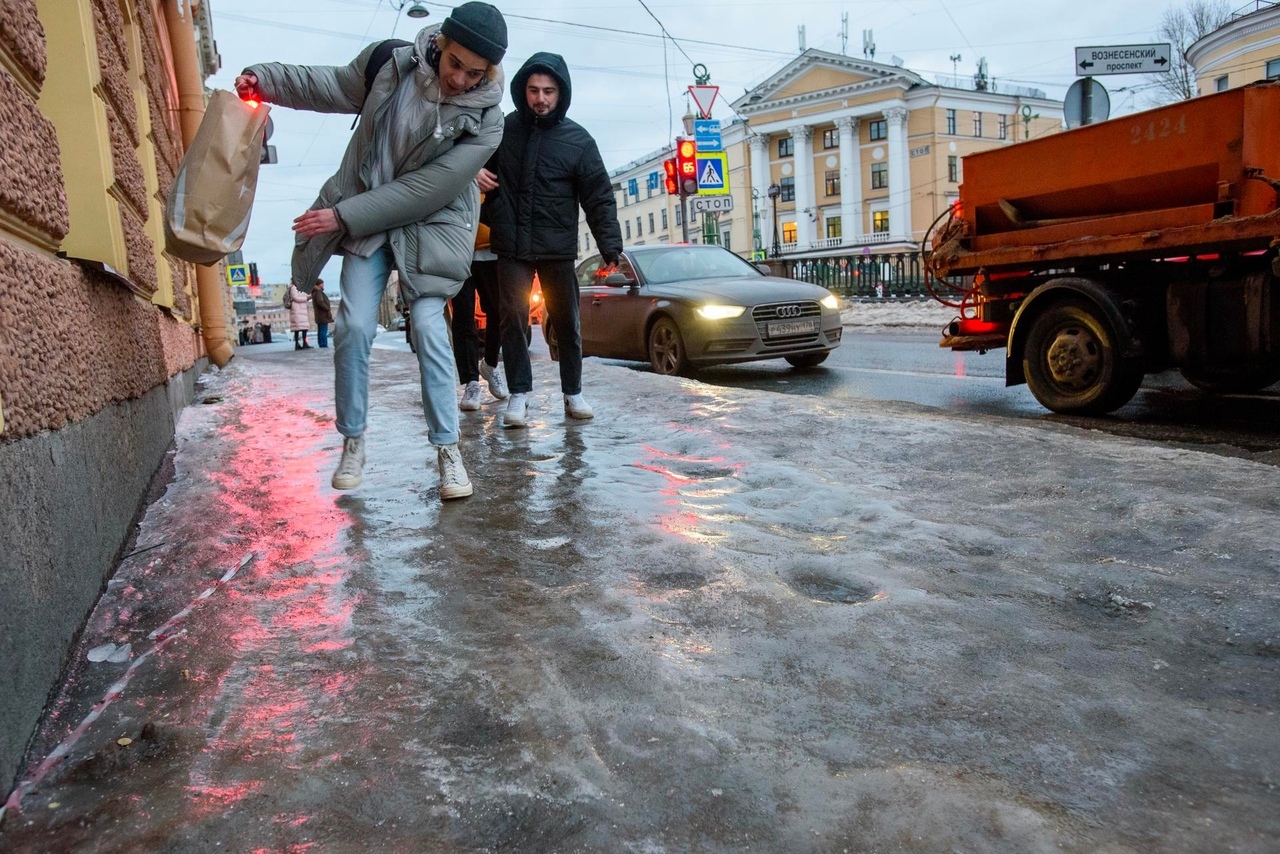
(1181, 27)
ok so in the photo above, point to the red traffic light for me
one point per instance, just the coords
(669, 174)
(687, 166)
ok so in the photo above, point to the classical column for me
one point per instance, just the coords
(850, 179)
(899, 174)
(760, 184)
(806, 205)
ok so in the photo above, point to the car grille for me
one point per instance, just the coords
(763, 315)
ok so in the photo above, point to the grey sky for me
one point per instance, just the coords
(623, 93)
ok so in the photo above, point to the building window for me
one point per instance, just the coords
(579, 244)
(878, 130)
(1003, 126)
(880, 222)
(664, 219)
(625, 201)
(831, 138)
(786, 147)
(1220, 85)
(1273, 69)
(977, 124)
(725, 235)
(639, 230)
(788, 232)
(651, 228)
(679, 215)
(586, 242)
(833, 182)
(879, 176)
(628, 226)
(951, 122)
(788, 186)
(953, 169)
(834, 230)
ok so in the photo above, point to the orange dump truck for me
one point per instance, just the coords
(1141, 244)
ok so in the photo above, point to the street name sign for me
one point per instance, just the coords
(1123, 59)
(713, 173)
(710, 204)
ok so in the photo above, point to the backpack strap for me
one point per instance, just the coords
(381, 56)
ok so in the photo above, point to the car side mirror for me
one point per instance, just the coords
(618, 280)
(764, 268)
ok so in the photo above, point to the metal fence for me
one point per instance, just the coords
(887, 276)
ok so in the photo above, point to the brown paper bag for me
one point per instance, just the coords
(207, 211)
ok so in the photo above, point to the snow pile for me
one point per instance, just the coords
(926, 314)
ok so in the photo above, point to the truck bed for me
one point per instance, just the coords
(1194, 177)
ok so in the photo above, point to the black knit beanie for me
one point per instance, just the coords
(478, 27)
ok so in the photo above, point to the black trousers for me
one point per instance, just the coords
(560, 296)
(466, 340)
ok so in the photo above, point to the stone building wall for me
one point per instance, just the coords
(94, 361)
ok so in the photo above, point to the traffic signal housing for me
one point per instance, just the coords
(669, 175)
(687, 166)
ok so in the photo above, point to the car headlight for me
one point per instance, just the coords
(720, 312)
(830, 301)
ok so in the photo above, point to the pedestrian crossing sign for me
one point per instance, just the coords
(237, 274)
(713, 173)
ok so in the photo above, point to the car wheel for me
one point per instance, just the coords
(806, 360)
(666, 348)
(1072, 364)
(549, 335)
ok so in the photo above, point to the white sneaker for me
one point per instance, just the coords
(454, 482)
(575, 405)
(471, 397)
(517, 408)
(348, 475)
(496, 379)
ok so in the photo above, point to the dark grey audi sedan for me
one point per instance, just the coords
(685, 306)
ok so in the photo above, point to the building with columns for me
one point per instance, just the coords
(863, 155)
(1244, 50)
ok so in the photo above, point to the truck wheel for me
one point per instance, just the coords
(1232, 381)
(1072, 364)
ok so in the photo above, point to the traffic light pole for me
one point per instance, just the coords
(684, 215)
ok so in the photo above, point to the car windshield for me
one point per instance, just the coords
(679, 263)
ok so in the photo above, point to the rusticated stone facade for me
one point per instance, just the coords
(31, 188)
(92, 373)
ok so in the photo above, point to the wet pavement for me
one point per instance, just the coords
(709, 620)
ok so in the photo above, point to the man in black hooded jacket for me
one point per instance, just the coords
(545, 168)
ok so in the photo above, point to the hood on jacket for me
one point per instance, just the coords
(542, 63)
(426, 56)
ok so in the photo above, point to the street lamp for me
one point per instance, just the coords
(687, 120)
(774, 192)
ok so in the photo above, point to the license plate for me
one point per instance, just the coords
(780, 329)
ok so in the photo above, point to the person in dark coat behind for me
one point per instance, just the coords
(546, 167)
(323, 311)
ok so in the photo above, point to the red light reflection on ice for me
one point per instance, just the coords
(293, 614)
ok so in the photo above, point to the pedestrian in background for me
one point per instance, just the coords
(473, 361)
(323, 312)
(404, 197)
(546, 167)
(299, 317)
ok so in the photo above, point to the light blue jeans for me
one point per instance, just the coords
(363, 281)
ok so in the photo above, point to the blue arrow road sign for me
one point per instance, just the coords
(706, 132)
